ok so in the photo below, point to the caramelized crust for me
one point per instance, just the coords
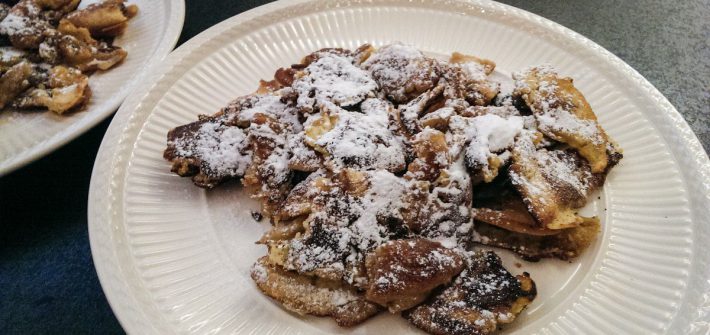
(467, 78)
(66, 90)
(566, 244)
(431, 154)
(402, 72)
(553, 183)
(563, 113)
(427, 102)
(402, 273)
(191, 148)
(107, 18)
(512, 215)
(483, 297)
(307, 295)
(14, 81)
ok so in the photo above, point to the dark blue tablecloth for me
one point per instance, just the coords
(47, 278)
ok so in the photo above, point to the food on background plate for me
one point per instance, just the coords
(382, 170)
(48, 48)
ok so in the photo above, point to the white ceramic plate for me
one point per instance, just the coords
(173, 258)
(150, 36)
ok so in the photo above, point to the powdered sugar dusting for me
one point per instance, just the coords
(563, 168)
(341, 298)
(302, 156)
(399, 69)
(222, 149)
(333, 78)
(490, 134)
(348, 226)
(553, 108)
(474, 70)
(259, 273)
(558, 119)
(388, 153)
(8, 54)
(272, 106)
(363, 141)
(14, 24)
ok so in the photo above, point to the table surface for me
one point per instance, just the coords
(47, 279)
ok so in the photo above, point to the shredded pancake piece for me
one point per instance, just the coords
(486, 141)
(335, 79)
(14, 81)
(402, 273)
(502, 220)
(467, 77)
(402, 71)
(480, 299)
(356, 139)
(553, 183)
(563, 114)
(307, 295)
(217, 148)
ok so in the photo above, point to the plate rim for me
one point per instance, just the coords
(176, 21)
(678, 127)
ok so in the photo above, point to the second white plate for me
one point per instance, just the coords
(173, 258)
(150, 36)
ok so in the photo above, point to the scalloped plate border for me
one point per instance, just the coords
(137, 315)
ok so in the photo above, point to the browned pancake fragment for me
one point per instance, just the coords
(402, 72)
(485, 137)
(302, 157)
(247, 138)
(402, 273)
(565, 244)
(502, 220)
(563, 114)
(211, 150)
(285, 76)
(107, 18)
(332, 77)
(554, 183)
(483, 297)
(309, 295)
(497, 203)
(467, 78)
(65, 89)
(14, 81)
(356, 139)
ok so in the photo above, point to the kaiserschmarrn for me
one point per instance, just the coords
(48, 48)
(382, 170)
